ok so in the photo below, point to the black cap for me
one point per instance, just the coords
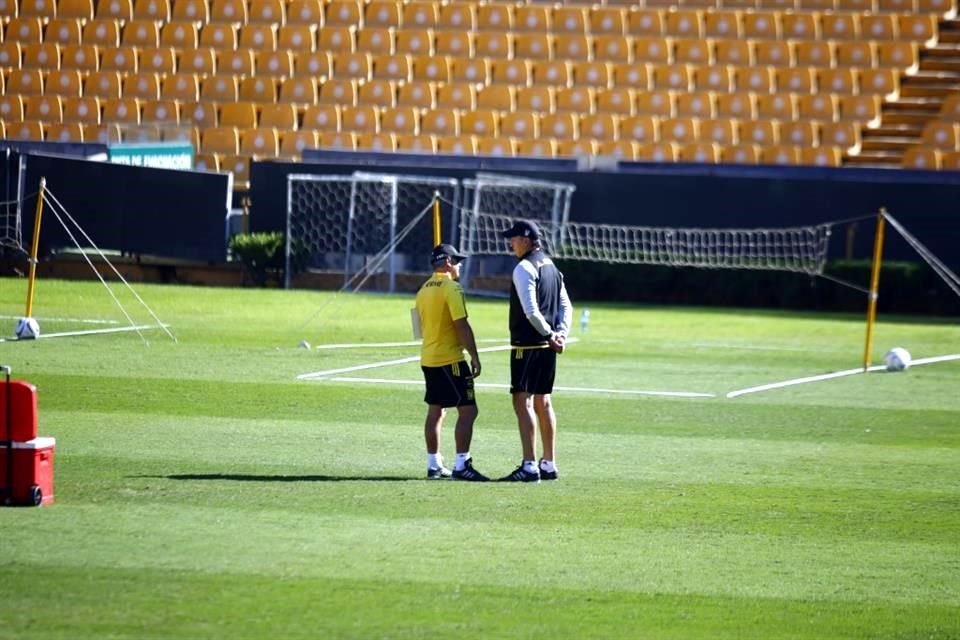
(525, 228)
(442, 251)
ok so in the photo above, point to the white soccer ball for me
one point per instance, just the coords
(897, 359)
(27, 329)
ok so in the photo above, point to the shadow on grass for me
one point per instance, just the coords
(245, 477)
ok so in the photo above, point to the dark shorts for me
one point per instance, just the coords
(532, 370)
(449, 386)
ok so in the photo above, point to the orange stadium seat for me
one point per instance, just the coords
(431, 69)
(144, 86)
(554, 73)
(159, 112)
(238, 114)
(103, 32)
(339, 91)
(79, 9)
(47, 108)
(300, 91)
(182, 86)
(400, 120)
(417, 94)
(520, 124)
(293, 143)
(191, 10)
(618, 100)
(454, 16)
(84, 110)
(274, 63)
(228, 11)
(322, 117)
(606, 19)
(420, 15)
(281, 116)
(381, 93)
(268, 12)
(655, 103)
(180, 34)
(305, 12)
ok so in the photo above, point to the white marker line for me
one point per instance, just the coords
(388, 363)
(89, 332)
(493, 385)
(835, 374)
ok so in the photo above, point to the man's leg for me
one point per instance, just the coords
(543, 406)
(526, 423)
(466, 416)
(432, 426)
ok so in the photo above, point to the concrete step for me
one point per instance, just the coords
(928, 91)
(895, 118)
(887, 144)
(890, 130)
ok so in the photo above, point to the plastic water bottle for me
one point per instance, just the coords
(584, 320)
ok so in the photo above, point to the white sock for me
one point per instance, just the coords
(530, 466)
(548, 466)
(434, 460)
(461, 461)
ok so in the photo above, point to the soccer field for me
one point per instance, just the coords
(204, 490)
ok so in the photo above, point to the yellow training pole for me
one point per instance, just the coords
(874, 286)
(436, 219)
(35, 248)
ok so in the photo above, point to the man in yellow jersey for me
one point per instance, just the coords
(442, 310)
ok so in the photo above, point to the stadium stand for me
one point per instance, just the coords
(820, 82)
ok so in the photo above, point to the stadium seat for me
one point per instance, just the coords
(277, 64)
(612, 48)
(601, 126)
(802, 79)
(84, 110)
(299, 91)
(495, 17)
(360, 118)
(421, 15)
(554, 73)
(79, 9)
(376, 41)
(759, 132)
(24, 29)
(823, 107)
(180, 34)
(337, 139)
(400, 120)
(223, 140)
(242, 115)
(297, 37)
(260, 37)
(228, 11)
(341, 92)
(46, 108)
(840, 134)
(618, 100)
(520, 124)
(103, 133)
(391, 67)
(813, 53)
(261, 142)
(305, 12)
(606, 19)
(141, 33)
(536, 98)
(510, 72)
(219, 36)
(271, 12)
(684, 23)
(879, 82)
(239, 166)
(117, 9)
(657, 152)
(938, 8)
(122, 59)
(675, 77)
(682, 130)
(454, 16)
(531, 18)
(475, 70)
(382, 13)
(941, 135)
(878, 26)
(380, 93)
(481, 123)
(536, 148)
(761, 25)
(855, 53)
(619, 149)
(38, 55)
(64, 132)
(950, 160)
(721, 131)
(837, 81)
(572, 46)
(775, 53)
(280, 116)
(222, 87)
(440, 122)
(712, 78)
(779, 155)
(800, 26)
(162, 111)
(692, 51)
(64, 31)
(496, 98)
(322, 117)
(799, 133)
(739, 154)
(533, 46)
(653, 49)
(315, 64)
(694, 105)
(372, 141)
(740, 106)
(352, 65)
(457, 95)
(821, 156)
(25, 82)
(201, 60)
(560, 126)
(698, 152)
(103, 32)
(239, 62)
(412, 143)
(416, 94)
(158, 60)
(840, 26)
(259, 88)
(25, 130)
(576, 99)
(458, 44)
(777, 106)
(183, 86)
(900, 55)
(293, 143)
(755, 79)
(191, 11)
(343, 13)
(654, 103)
(121, 111)
(498, 147)
(921, 158)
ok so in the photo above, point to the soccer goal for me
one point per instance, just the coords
(369, 226)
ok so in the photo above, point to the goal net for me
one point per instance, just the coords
(363, 225)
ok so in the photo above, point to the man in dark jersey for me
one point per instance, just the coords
(442, 313)
(540, 316)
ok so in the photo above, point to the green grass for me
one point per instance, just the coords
(202, 491)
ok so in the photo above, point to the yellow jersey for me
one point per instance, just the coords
(440, 301)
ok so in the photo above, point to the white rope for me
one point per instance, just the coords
(942, 270)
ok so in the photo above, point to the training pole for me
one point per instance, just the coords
(437, 235)
(874, 286)
(34, 249)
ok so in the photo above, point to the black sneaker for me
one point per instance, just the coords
(469, 474)
(521, 475)
(547, 475)
(438, 473)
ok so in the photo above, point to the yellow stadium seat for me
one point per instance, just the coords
(344, 12)
(481, 123)
(800, 26)
(239, 166)
(799, 133)
(655, 103)
(554, 73)
(157, 59)
(684, 23)
(572, 46)
(802, 79)
(823, 107)
(682, 130)
(618, 100)
(377, 41)
(878, 82)
(181, 34)
(878, 26)
(412, 143)
(454, 43)
(26, 82)
(381, 93)
(492, 44)
(813, 53)
(158, 10)
(121, 111)
(646, 22)
(281, 116)
(619, 149)
(520, 124)
(531, 18)
(779, 155)
(777, 106)
(496, 98)
(942, 135)
(657, 152)
(840, 26)
(400, 120)
(653, 49)
(692, 51)
(838, 81)
(504, 147)
(712, 78)
(739, 106)
(40, 55)
(736, 53)
(382, 13)
(512, 72)
(612, 48)
(457, 145)
(219, 36)
(191, 11)
(183, 86)
(122, 59)
(431, 69)
(761, 25)
(229, 11)
(299, 90)
(143, 85)
(533, 46)
(695, 104)
(258, 36)
(312, 63)
(352, 65)
(720, 131)
(220, 88)
(536, 98)
(305, 12)
(855, 53)
(238, 114)
(81, 57)
(293, 143)
(675, 77)
(202, 60)
(536, 148)
(920, 158)
(360, 118)
(606, 19)
(297, 37)
(723, 24)
(840, 134)
(759, 132)
(322, 117)
(103, 32)
(268, 12)
(118, 9)
(918, 28)
(454, 16)
(420, 94)
(141, 33)
(495, 17)
(260, 141)
(159, 112)
(440, 122)
(64, 31)
(938, 8)
(775, 53)
(278, 64)
(739, 154)
(698, 152)
(46, 108)
(416, 42)
(79, 9)
(391, 67)
(599, 126)
(561, 126)
(950, 160)
(579, 148)
(343, 91)
(25, 130)
(756, 79)
(420, 15)
(85, 110)
(457, 95)
(65, 132)
(470, 70)
(901, 55)
(568, 19)
(575, 99)
(259, 88)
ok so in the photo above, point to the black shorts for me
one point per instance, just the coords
(532, 370)
(450, 385)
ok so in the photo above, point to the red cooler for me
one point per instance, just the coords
(26, 472)
(22, 412)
